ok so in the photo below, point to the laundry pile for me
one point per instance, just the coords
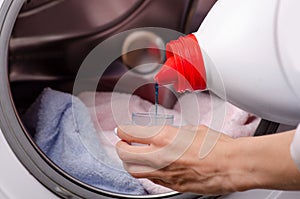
(111, 109)
(76, 133)
(64, 131)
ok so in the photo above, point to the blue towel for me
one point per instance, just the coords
(63, 129)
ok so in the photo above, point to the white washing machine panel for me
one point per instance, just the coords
(15, 181)
(264, 194)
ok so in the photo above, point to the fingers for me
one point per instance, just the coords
(132, 154)
(143, 155)
(171, 156)
(139, 161)
(138, 134)
(142, 171)
(161, 181)
(160, 150)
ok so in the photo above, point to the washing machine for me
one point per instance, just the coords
(45, 43)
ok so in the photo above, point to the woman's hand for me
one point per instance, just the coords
(185, 159)
(200, 160)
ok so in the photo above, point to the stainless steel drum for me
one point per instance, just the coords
(43, 43)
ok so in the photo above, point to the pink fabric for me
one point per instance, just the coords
(108, 110)
(202, 108)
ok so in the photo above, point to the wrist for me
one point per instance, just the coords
(241, 164)
(234, 164)
(249, 163)
(267, 162)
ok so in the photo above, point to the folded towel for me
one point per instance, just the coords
(65, 133)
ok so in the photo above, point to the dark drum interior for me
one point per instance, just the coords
(51, 39)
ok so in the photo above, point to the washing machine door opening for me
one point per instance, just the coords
(46, 43)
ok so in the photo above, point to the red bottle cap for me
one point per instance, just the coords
(184, 67)
(167, 73)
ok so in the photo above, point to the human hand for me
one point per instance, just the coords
(186, 159)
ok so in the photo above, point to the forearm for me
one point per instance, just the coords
(267, 163)
(231, 165)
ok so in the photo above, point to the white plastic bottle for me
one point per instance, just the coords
(245, 51)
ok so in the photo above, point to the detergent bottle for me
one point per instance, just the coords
(246, 52)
